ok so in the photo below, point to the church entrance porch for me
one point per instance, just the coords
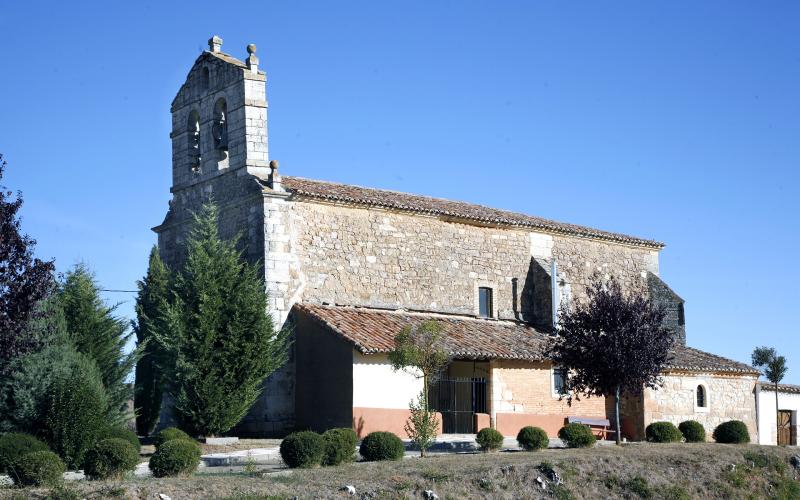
(458, 400)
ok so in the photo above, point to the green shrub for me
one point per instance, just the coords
(532, 438)
(663, 432)
(76, 415)
(61, 492)
(732, 431)
(175, 457)
(693, 431)
(340, 446)
(110, 458)
(639, 487)
(121, 433)
(16, 444)
(38, 468)
(489, 439)
(381, 446)
(303, 449)
(169, 434)
(577, 435)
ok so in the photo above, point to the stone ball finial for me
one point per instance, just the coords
(251, 48)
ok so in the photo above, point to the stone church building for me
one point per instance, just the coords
(348, 267)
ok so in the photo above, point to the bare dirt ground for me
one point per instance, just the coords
(242, 444)
(658, 471)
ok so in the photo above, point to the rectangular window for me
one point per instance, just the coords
(485, 302)
(559, 381)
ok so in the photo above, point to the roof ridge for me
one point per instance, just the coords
(458, 209)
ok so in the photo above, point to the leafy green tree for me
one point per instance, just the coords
(154, 292)
(219, 337)
(24, 281)
(612, 344)
(94, 330)
(421, 351)
(774, 366)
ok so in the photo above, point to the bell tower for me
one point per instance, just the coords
(219, 118)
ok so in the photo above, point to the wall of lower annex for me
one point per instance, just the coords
(767, 418)
(728, 397)
(522, 394)
(381, 394)
(324, 385)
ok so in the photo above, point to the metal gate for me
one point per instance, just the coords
(458, 400)
(784, 427)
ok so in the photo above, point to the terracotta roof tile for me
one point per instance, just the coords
(769, 386)
(345, 193)
(691, 359)
(372, 331)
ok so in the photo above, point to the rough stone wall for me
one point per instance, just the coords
(663, 295)
(728, 397)
(526, 387)
(580, 261)
(241, 211)
(349, 255)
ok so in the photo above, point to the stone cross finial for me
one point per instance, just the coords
(215, 44)
(252, 60)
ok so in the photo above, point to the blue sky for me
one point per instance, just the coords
(677, 121)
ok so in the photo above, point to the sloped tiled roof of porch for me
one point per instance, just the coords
(372, 331)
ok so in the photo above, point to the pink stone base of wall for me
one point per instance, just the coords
(482, 420)
(366, 420)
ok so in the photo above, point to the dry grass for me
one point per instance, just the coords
(668, 471)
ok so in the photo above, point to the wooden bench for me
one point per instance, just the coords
(600, 426)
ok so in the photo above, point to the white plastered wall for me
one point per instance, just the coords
(377, 385)
(767, 419)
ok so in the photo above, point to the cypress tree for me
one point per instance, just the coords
(220, 338)
(96, 332)
(153, 295)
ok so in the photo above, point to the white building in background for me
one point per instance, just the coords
(788, 407)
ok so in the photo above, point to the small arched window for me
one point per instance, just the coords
(701, 397)
(193, 140)
(205, 79)
(219, 127)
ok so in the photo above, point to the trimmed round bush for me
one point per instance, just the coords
(38, 468)
(693, 431)
(169, 434)
(489, 439)
(340, 446)
(16, 444)
(381, 446)
(122, 433)
(532, 438)
(663, 432)
(175, 457)
(110, 458)
(577, 435)
(303, 449)
(733, 431)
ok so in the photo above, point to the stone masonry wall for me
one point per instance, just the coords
(347, 255)
(729, 398)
